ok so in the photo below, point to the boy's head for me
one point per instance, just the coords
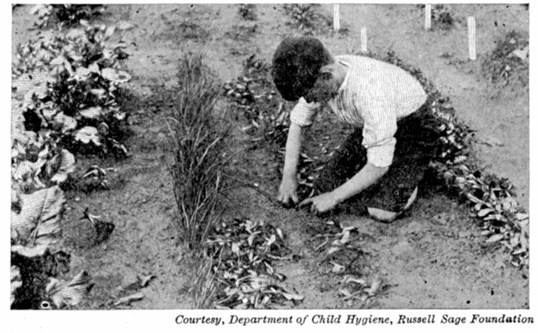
(300, 69)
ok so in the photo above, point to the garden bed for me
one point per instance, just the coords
(303, 261)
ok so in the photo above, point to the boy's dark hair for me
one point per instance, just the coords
(296, 65)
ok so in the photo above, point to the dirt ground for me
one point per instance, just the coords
(434, 257)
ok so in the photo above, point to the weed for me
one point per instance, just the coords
(305, 17)
(443, 17)
(247, 11)
(198, 138)
(509, 61)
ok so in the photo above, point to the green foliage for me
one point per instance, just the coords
(65, 15)
(71, 84)
(198, 140)
(509, 61)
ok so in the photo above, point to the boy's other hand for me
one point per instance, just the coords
(287, 193)
(321, 203)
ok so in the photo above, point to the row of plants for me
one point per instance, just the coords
(492, 199)
(66, 85)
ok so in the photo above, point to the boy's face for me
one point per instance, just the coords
(325, 89)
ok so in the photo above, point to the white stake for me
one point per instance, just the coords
(364, 40)
(428, 17)
(472, 37)
(336, 17)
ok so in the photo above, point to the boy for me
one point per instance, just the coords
(379, 166)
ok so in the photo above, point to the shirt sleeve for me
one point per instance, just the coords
(303, 112)
(379, 116)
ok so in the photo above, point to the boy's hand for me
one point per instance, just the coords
(321, 203)
(288, 191)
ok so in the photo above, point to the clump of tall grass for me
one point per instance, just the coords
(198, 139)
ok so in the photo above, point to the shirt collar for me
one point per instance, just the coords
(346, 78)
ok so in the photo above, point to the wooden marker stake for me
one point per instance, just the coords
(364, 40)
(471, 24)
(428, 17)
(336, 17)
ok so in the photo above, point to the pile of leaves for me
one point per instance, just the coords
(342, 249)
(254, 95)
(509, 61)
(244, 253)
(70, 84)
(64, 15)
(306, 18)
(492, 198)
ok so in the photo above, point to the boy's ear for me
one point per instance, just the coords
(326, 76)
(325, 73)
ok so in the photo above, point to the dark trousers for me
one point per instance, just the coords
(416, 145)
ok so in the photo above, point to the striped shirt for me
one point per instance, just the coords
(374, 95)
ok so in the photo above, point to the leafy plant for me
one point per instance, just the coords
(198, 141)
(67, 293)
(247, 11)
(70, 85)
(38, 162)
(305, 17)
(37, 226)
(64, 15)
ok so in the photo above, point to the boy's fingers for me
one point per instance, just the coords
(295, 198)
(288, 201)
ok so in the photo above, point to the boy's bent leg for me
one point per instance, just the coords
(417, 142)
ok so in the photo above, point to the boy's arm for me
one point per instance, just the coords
(363, 179)
(300, 116)
(288, 187)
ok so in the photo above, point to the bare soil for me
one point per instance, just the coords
(434, 257)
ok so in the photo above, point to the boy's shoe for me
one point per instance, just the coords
(388, 216)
